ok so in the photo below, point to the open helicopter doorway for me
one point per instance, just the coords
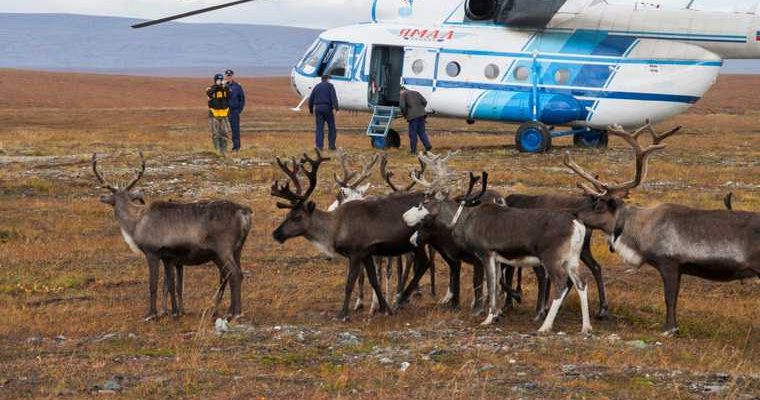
(386, 67)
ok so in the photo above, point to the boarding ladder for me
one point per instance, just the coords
(382, 117)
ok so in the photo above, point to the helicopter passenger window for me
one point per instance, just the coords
(453, 69)
(418, 66)
(522, 73)
(338, 66)
(312, 61)
(562, 76)
(492, 71)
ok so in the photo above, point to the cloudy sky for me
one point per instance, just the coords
(305, 13)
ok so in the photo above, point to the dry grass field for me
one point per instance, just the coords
(72, 294)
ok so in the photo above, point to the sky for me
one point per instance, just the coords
(322, 13)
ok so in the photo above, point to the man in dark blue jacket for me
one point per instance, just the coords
(237, 104)
(322, 102)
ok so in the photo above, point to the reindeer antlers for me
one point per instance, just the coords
(109, 186)
(366, 172)
(444, 177)
(297, 198)
(642, 155)
(470, 200)
(387, 175)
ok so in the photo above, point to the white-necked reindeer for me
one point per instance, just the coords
(719, 245)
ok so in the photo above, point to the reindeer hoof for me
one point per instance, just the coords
(489, 320)
(603, 314)
(477, 310)
(176, 315)
(450, 305)
(342, 317)
(671, 332)
(151, 316)
(587, 331)
(358, 306)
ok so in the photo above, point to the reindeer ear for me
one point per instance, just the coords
(138, 196)
(108, 199)
(310, 207)
(363, 188)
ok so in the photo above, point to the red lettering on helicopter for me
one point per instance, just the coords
(432, 35)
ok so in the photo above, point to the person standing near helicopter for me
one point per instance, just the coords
(412, 105)
(218, 113)
(322, 101)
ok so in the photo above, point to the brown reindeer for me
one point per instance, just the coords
(358, 230)
(179, 234)
(717, 245)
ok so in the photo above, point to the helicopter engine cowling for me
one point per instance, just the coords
(517, 13)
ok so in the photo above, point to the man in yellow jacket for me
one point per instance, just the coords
(218, 113)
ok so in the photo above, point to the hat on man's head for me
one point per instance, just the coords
(218, 77)
(229, 72)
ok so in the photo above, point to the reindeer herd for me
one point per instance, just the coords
(498, 235)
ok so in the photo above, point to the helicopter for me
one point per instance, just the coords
(580, 64)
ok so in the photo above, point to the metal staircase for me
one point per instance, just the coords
(382, 117)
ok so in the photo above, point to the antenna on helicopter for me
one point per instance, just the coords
(188, 14)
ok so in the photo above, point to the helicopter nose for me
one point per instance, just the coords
(293, 83)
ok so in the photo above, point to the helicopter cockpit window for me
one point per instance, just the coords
(313, 60)
(338, 66)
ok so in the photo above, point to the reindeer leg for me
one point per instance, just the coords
(432, 270)
(359, 292)
(562, 287)
(388, 277)
(451, 300)
(477, 289)
(165, 293)
(596, 270)
(236, 287)
(180, 288)
(406, 267)
(508, 273)
(369, 266)
(543, 292)
(671, 279)
(170, 286)
(400, 276)
(223, 279)
(492, 281)
(582, 289)
(518, 290)
(153, 264)
(420, 267)
(354, 269)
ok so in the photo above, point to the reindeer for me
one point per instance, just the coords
(349, 189)
(570, 203)
(180, 234)
(358, 230)
(452, 254)
(404, 264)
(494, 233)
(718, 245)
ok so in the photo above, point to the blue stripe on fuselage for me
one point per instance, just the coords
(575, 92)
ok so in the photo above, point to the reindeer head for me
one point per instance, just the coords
(607, 200)
(350, 186)
(299, 218)
(120, 196)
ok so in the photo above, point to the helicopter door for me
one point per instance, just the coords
(420, 69)
(385, 70)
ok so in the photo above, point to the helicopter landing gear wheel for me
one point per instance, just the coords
(533, 137)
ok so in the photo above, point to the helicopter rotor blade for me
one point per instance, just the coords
(188, 14)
